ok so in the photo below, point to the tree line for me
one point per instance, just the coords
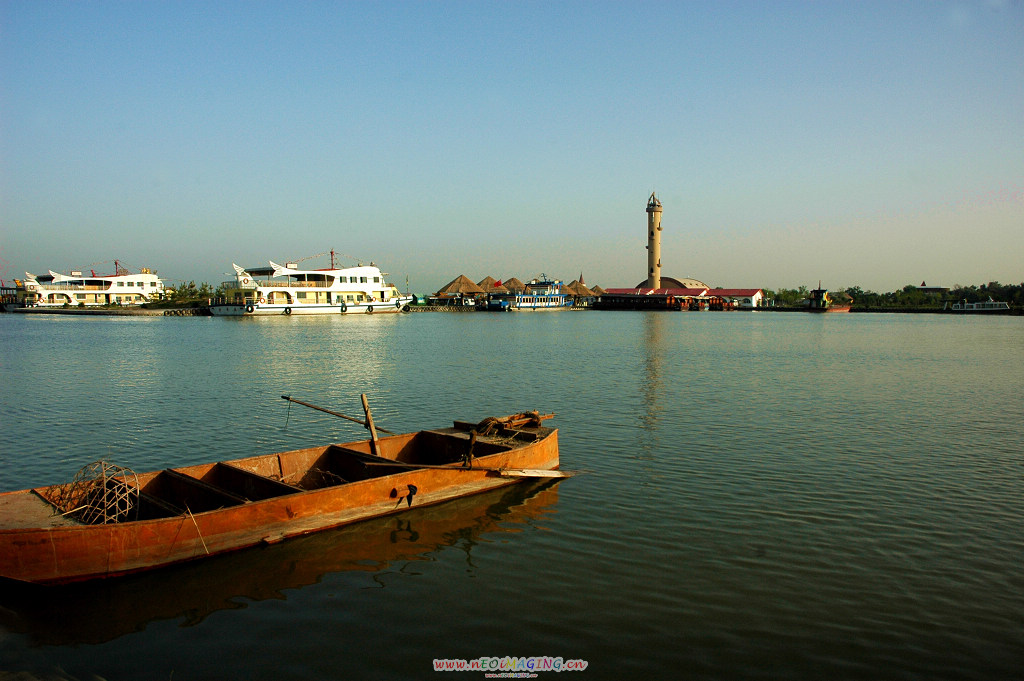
(187, 294)
(910, 296)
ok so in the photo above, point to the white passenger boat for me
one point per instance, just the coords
(540, 294)
(75, 289)
(287, 290)
(982, 306)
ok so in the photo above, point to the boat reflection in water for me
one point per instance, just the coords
(102, 611)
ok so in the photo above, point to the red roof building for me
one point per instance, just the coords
(742, 297)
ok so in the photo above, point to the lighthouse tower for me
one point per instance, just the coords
(653, 242)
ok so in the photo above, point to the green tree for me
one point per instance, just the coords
(787, 297)
(190, 293)
(862, 298)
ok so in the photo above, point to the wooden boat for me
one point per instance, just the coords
(98, 611)
(117, 522)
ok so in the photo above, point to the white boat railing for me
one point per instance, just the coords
(275, 284)
(70, 287)
(983, 305)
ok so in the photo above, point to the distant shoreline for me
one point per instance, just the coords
(205, 311)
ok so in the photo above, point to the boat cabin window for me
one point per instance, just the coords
(343, 280)
(376, 280)
(350, 298)
(362, 280)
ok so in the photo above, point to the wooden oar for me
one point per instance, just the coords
(361, 422)
(504, 472)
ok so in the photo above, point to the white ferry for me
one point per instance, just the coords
(983, 306)
(92, 290)
(540, 294)
(286, 290)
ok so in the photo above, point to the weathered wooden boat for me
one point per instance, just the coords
(113, 522)
(99, 611)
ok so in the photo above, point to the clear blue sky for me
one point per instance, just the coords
(860, 143)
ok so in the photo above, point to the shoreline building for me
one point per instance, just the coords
(668, 293)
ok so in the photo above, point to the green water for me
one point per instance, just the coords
(765, 495)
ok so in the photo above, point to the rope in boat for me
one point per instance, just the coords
(491, 424)
(530, 419)
(197, 529)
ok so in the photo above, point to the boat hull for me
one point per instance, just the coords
(830, 309)
(541, 308)
(59, 550)
(264, 309)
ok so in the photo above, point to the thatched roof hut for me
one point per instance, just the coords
(598, 291)
(491, 285)
(579, 290)
(514, 284)
(460, 284)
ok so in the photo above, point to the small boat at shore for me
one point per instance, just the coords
(821, 301)
(539, 294)
(991, 306)
(110, 521)
(99, 611)
(287, 289)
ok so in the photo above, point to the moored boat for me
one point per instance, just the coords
(821, 301)
(286, 289)
(542, 293)
(9, 296)
(103, 610)
(990, 306)
(75, 288)
(110, 521)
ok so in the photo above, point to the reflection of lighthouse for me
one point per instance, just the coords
(653, 242)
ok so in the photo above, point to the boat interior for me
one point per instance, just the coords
(196, 489)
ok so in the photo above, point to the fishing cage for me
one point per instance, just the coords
(100, 493)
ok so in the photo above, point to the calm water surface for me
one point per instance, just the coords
(778, 496)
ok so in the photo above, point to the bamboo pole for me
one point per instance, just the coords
(333, 413)
(369, 424)
(505, 472)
